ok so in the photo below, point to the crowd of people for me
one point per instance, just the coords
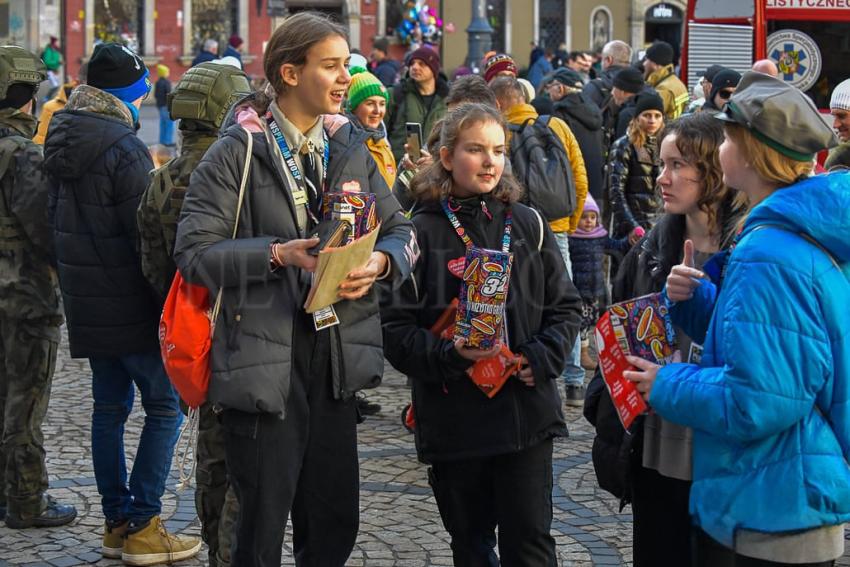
(600, 184)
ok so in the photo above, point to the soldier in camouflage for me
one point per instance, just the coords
(30, 314)
(200, 100)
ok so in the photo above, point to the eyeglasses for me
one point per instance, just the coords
(725, 93)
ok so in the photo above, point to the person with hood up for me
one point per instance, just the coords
(99, 170)
(768, 400)
(723, 84)
(588, 246)
(419, 98)
(584, 118)
(367, 105)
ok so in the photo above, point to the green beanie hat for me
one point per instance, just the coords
(363, 85)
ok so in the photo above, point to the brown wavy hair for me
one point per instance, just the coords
(292, 40)
(698, 139)
(435, 183)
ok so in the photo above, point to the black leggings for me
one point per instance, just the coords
(710, 553)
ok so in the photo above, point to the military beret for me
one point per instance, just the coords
(780, 116)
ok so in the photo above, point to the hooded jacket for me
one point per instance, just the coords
(28, 285)
(769, 402)
(454, 419)
(522, 113)
(585, 121)
(407, 105)
(599, 89)
(387, 70)
(251, 356)
(99, 170)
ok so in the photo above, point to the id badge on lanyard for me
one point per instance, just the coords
(327, 317)
(300, 195)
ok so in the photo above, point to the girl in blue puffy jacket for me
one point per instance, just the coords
(770, 400)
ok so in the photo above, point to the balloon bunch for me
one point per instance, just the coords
(419, 23)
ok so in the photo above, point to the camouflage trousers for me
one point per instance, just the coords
(27, 360)
(215, 498)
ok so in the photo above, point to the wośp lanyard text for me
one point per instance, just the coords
(461, 232)
(293, 166)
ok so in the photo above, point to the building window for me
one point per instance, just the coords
(600, 28)
(214, 19)
(496, 18)
(552, 25)
(120, 21)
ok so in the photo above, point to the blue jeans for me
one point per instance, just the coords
(166, 127)
(113, 390)
(573, 374)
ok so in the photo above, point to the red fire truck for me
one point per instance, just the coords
(809, 40)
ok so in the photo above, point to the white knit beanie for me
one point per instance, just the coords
(841, 96)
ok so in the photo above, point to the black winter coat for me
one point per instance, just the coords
(99, 170)
(252, 358)
(586, 255)
(585, 120)
(633, 199)
(454, 419)
(644, 270)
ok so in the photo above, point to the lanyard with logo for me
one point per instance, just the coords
(300, 196)
(461, 232)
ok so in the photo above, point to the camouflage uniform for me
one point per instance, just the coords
(30, 313)
(200, 100)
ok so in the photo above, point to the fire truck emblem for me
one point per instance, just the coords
(797, 56)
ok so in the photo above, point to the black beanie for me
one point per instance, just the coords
(629, 79)
(567, 77)
(114, 66)
(17, 95)
(649, 101)
(724, 79)
(660, 53)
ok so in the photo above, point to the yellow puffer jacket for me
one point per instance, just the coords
(50, 107)
(672, 91)
(518, 115)
(383, 155)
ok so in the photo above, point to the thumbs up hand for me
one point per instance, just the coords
(684, 278)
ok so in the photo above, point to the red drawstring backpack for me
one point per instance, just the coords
(187, 324)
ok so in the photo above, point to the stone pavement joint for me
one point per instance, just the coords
(399, 521)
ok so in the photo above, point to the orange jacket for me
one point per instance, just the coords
(50, 107)
(519, 114)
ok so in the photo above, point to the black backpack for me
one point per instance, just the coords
(540, 163)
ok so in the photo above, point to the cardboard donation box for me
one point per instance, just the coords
(638, 327)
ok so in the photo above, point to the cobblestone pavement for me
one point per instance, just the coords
(400, 523)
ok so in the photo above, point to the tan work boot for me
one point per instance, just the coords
(153, 545)
(587, 361)
(113, 540)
